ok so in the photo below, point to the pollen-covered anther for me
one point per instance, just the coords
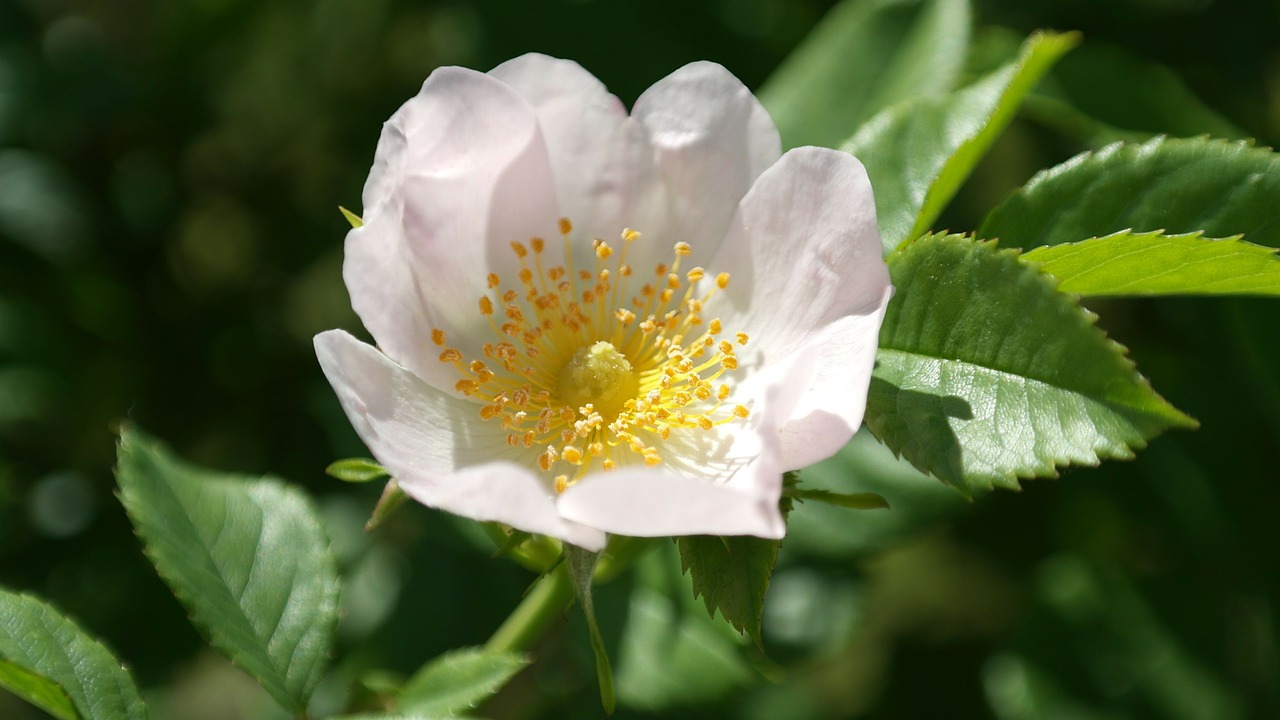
(562, 483)
(437, 336)
(571, 455)
(741, 411)
(450, 355)
(722, 280)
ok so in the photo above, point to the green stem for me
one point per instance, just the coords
(548, 598)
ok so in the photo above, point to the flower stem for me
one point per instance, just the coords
(548, 597)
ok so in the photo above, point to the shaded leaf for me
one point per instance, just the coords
(865, 55)
(987, 374)
(919, 153)
(48, 661)
(1216, 187)
(1151, 263)
(581, 566)
(458, 681)
(246, 556)
(731, 575)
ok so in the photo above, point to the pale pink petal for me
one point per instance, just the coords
(712, 139)
(460, 172)
(807, 275)
(603, 164)
(436, 446)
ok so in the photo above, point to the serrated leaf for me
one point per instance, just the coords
(919, 153)
(1152, 263)
(731, 575)
(48, 661)
(355, 470)
(458, 681)
(987, 374)
(1179, 186)
(581, 567)
(864, 56)
(246, 556)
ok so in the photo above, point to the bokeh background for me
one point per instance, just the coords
(170, 241)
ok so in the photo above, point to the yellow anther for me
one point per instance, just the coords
(624, 270)
(466, 386)
(537, 244)
(625, 316)
(566, 227)
(450, 355)
(488, 412)
(683, 249)
(608, 464)
(562, 483)
(742, 338)
(437, 336)
(526, 275)
(714, 327)
(571, 455)
(486, 305)
(722, 280)
(729, 362)
(494, 280)
(546, 458)
(519, 249)
(741, 411)
(628, 235)
(603, 251)
(722, 393)
(596, 449)
(726, 347)
(705, 423)
(651, 457)
(673, 281)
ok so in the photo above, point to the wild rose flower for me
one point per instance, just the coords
(590, 322)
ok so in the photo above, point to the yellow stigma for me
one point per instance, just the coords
(600, 376)
(585, 371)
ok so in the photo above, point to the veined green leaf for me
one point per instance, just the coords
(987, 374)
(245, 555)
(919, 153)
(48, 661)
(458, 681)
(1151, 263)
(864, 56)
(1216, 187)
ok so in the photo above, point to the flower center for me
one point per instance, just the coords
(589, 375)
(600, 376)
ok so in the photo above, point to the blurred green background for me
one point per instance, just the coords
(170, 242)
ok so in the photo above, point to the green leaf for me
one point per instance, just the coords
(48, 661)
(457, 681)
(44, 694)
(389, 501)
(731, 574)
(246, 556)
(919, 153)
(355, 470)
(581, 566)
(1216, 187)
(850, 501)
(1151, 263)
(987, 374)
(866, 55)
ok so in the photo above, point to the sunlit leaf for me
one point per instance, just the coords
(48, 661)
(919, 153)
(1179, 186)
(987, 374)
(864, 56)
(1155, 264)
(458, 681)
(245, 555)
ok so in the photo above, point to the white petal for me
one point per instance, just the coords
(712, 139)
(436, 446)
(807, 275)
(461, 171)
(603, 164)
